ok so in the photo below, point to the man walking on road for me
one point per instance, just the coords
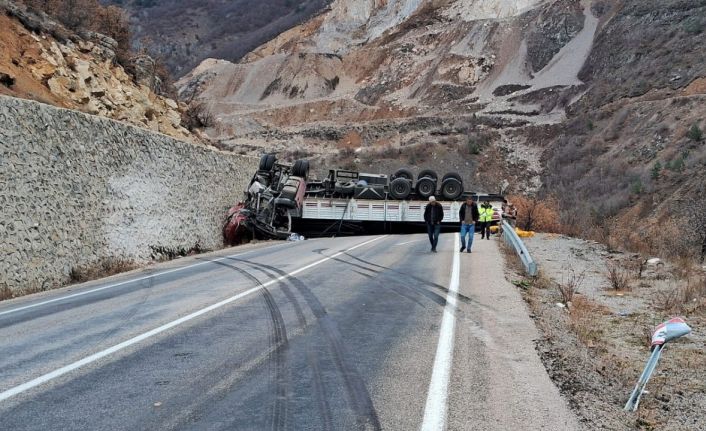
(433, 214)
(486, 216)
(468, 214)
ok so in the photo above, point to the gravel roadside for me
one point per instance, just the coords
(595, 348)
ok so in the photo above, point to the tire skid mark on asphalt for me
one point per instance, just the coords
(393, 288)
(59, 372)
(278, 344)
(463, 298)
(438, 299)
(358, 395)
(312, 359)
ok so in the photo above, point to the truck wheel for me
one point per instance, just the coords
(427, 173)
(426, 187)
(267, 162)
(452, 175)
(301, 169)
(451, 188)
(403, 173)
(345, 189)
(400, 188)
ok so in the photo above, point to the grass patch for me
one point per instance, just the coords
(103, 268)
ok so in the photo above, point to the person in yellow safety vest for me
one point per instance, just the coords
(486, 216)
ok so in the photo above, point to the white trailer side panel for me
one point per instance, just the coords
(373, 210)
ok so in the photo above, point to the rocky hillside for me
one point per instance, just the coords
(185, 32)
(433, 83)
(42, 60)
(577, 98)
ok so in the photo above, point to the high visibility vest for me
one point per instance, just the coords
(486, 214)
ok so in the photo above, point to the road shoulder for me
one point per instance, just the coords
(496, 357)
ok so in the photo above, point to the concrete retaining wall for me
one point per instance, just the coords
(77, 189)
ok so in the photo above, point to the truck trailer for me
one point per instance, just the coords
(281, 199)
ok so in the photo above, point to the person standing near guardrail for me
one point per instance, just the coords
(486, 216)
(468, 215)
(433, 215)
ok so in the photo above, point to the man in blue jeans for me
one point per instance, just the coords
(468, 215)
(433, 215)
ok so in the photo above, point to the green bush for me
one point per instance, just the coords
(676, 165)
(637, 188)
(695, 133)
(694, 25)
(656, 170)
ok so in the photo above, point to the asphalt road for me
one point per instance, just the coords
(328, 334)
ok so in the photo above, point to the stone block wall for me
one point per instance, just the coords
(77, 189)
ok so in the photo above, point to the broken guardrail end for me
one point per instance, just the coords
(669, 330)
(665, 332)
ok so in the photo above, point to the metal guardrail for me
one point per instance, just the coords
(516, 242)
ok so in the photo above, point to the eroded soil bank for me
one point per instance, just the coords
(596, 348)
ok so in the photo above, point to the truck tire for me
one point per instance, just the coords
(267, 162)
(403, 173)
(452, 175)
(400, 188)
(345, 189)
(451, 189)
(301, 169)
(426, 187)
(427, 173)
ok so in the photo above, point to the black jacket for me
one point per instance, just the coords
(433, 214)
(474, 212)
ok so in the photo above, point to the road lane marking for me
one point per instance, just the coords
(133, 280)
(99, 355)
(436, 406)
(407, 242)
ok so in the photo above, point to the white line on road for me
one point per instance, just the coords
(407, 242)
(132, 280)
(435, 409)
(96, 356)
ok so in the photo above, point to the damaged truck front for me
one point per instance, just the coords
(274, 196)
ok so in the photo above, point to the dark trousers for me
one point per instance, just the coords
(484, 229)
(433, 230)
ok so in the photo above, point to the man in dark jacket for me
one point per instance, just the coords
(468, 214)
(433, 214)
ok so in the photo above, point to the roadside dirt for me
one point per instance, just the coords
(596, 348)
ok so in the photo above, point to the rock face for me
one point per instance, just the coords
(555, 95)
(80, 72)
(380, 69)
(78, 190)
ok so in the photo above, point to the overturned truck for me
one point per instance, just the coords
(282, 198)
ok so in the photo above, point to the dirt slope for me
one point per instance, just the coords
(43, 61)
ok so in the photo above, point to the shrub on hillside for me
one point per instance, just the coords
(695, 133)
(534, 213)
